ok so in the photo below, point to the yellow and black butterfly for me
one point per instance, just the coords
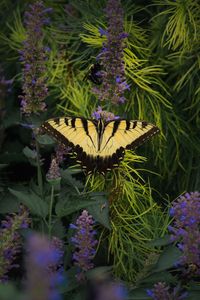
(95, 74)
(98, 144)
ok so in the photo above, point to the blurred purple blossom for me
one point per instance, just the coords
(84, 242)
(33, 57)
(10, 245)
(103, 114)
(161, 291)
(185, 228)
(111, 57)
(43, 266)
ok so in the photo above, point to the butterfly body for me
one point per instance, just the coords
(98, 144)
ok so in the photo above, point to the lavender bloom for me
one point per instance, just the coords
(185, 229)
(57, 244)
(103, 114)
(111, 57)
(43, 268)
(61, 151)
(84, 242)
(10, 245)
(33, 57)
(162, 291)
(54, 172)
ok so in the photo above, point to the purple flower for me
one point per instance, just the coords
(33, 57)
(10, 245)
(102, 31)
(44, 268)
(84, 242)
(164, 292)
(61, 151)
(54, 172)
(103, 114)
(111, 57)
(185, 228)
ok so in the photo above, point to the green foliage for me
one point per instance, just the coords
(130, 203)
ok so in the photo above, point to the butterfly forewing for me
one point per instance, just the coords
(125, 134)
(76, 132)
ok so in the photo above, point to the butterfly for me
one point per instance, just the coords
(94, 74)
(99, 144)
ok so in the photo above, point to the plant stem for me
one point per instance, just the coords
(50, 210)
(39, 171)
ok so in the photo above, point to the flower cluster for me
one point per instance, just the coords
(43, 266)
(162, 291)
(103, 114)
(10, 245)
(185, 229)
(111, 57)
(34, 56)
(54, 171)
(84, 242)
(61, 151)
(57, 244)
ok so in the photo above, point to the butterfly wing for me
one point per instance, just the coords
(119, 135)
(78, 133)
(95, 150)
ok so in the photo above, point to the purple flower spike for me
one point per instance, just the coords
(44, 268)
(161, 291)
(54, 171)
(112, 57)
(186, 229)
(84, 241)
(33, 57)
(10, 245)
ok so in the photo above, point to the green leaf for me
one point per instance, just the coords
(8, 292)
(58, 229)
(8, 204)
(167, 259)
(12, 118)
(30, 154)
(36, 205)
(99, 272)
(67, 177)
(97, 205)
(193, 291)
(100, 210)
(45, 139)
(72, 282)
(193, 295)
(161, 276)
(69, 206)
(138, 294)
(160, 241)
